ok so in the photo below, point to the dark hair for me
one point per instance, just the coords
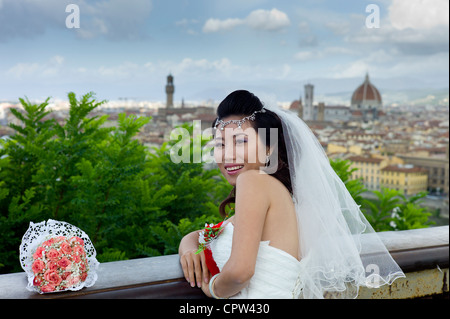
(244, 103)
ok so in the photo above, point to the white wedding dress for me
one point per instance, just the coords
(276, 271)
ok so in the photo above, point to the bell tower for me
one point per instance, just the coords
(170, 89)
(308, 111)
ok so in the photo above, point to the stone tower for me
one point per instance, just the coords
(308, 111)
(170, 89)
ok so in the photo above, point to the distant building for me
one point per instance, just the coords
(297, 106)
(369, 170)
(336, 113)
(437, 168)
(366, 102)
(172, 116)
(366, 105)
(308, 109)
(389, 172)
(407, 179)
(170, 89)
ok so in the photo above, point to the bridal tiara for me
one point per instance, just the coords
(238, 122)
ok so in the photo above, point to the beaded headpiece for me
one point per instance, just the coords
(238, 122)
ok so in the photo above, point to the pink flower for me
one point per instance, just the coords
(52, 277)
(65, 248)
(76, 258)
(60, 238)
(48, 242)
(38, 266)
(72, 280)
(37, 281)
(83, 266)
(65, 275)
(79, 250)
(38, 252)
(76, 241)
(53, 254)
(51, 265)
(48, 288)
(64, 263)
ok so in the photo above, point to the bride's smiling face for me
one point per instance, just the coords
(237, 150)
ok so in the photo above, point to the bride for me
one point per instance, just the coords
(296, 231)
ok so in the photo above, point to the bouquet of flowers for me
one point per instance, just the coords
(57, 256)
(206, 236)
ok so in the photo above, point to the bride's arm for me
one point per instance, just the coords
(252, 204)
(193, 265)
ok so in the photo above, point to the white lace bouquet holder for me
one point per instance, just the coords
(57, 256)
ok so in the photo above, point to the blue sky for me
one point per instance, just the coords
(127, 48)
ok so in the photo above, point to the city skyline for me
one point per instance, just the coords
(125, 49)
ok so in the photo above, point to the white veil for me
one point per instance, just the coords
(339, 249)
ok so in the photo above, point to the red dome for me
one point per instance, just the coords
(366, 92)
(295, 105)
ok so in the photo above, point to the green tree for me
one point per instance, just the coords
(410, 215)
(344, 171)
(101, 179)
(391, 210)
(379, 212)
(394, 211)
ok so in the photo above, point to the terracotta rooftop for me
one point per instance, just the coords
(404, 169)
(295, 105)
(365, 159)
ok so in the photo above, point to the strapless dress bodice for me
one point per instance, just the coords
(276, 271)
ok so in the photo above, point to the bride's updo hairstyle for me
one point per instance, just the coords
(243, 103)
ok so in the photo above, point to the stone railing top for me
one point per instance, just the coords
(423, 248)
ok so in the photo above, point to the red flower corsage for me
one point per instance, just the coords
(207, 235)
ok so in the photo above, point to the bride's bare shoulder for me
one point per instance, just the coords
(252, 176)
(256, 180)
(261, 186)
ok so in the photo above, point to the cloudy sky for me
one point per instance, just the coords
(126, 48)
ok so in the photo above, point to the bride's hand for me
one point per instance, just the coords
(195, 269)
(205, 287)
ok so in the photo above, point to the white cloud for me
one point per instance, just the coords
(409, 41)
(428, 68)
(322, 53)
(352, 70)
(188, 65)
(264, 20)
(338, 50)
(122, 71)
(285, 71)
(383, 64)
(273, 20)
(216, 25)
(305, 55)
(411, 28)
(23, 69)
(28, 70)
(419, 14)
